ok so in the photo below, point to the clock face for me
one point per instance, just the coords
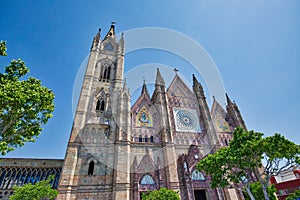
(186, 120)
(196, 156)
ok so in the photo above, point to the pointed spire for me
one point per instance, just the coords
(197, 85)
(124, 85)
(111, 32)
(121, 44)
(236, 106)
(96, 39)
(234, 112)
(134, 164)
(195, 81)
(159, 79)
(229, 102)
(144, 89)
(121, 41)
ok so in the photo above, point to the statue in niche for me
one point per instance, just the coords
(185, 166)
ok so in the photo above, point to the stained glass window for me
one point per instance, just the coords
(197, 176)
(147, 180)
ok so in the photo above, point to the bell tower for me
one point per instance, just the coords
(99, 140)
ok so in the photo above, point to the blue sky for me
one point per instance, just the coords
(254, 43)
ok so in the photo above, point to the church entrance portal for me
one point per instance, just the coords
(200, 194)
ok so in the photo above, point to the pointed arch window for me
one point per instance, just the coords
(91, 168)
(226, 142)
(140, 138)
(100, 105)
(197, 176)
(151, 139)
(105, 73)
(146, 138)
(147, 180)
(2, 177)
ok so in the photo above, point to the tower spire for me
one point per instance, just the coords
(229, 102)
(144, 88)
(198, 85)
(125, 86)
(96, 39)
(121, 44)
(204, 111)
(159, 79)
(234, 113)
(111, 33)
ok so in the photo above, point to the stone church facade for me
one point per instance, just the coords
(118, 150)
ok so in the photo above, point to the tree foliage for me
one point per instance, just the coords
(161, 194)
(3, 48)
(294, 196)
(257, 191)
(25, 105)
(242, 162)
(41, 190)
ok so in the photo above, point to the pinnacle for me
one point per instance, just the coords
(229, 102)
(111, 32)
(159, 79)
(144, 89)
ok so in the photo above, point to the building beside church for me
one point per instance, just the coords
(119, 149)
(287, 182)
(19, 171)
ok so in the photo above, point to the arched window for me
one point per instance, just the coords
(226, 142)
(146, 138)
(197, 176)
(151, 139)
(147, 180)
(2, 177)
(140, 139)
(27, 179)
(91, 168)
(105, 70)
(106, 73)
(100, 106)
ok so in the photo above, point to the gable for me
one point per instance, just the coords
(219, 118)
(178, 88)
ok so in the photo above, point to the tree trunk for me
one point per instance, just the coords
(265, 191)
(264, 184)
(250, 193)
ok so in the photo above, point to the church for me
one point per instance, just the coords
(120, 149)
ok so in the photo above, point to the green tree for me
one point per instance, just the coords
(257, 191)
(41, 190)
(3, 48)
(294, 196)
(25, 105)
(241, 162)
(161, 194)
